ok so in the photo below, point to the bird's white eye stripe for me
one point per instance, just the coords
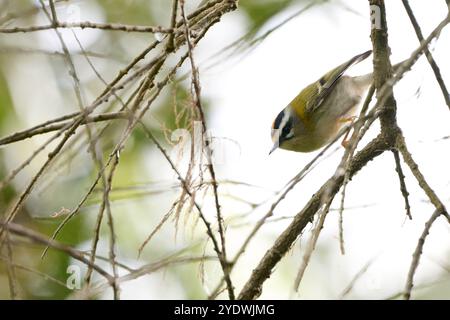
(282, 126)
(284, 120)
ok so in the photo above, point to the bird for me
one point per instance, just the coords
(316, 115)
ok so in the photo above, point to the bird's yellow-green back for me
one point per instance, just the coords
(311, 98)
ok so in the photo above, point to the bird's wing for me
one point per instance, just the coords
(326, 84)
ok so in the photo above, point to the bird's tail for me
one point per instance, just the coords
(366, 79)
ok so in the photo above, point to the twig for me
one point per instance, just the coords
(312, 244)
(53, 125)
(41, 239)
(173, 21)
(417, 254)
(29, 51)
(37, 272)
(196, 86)
(426, 285)
(407, 157)
(401, 177)
(105, 205)
(53, 11)
(90, 25)
(431, 61)
(358, 132)
(112, 234)
(24, 195)
(341, 219)
(11, 269)
(145, 270)
(357, 276)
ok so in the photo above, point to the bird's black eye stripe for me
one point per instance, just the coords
(277, 122)
(286, 130)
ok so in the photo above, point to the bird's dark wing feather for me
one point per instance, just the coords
(327, 82)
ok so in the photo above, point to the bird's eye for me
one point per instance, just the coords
(287, 132)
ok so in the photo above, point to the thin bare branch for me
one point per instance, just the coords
(198, 103)
(401, 177)
(90, 25)
(418, 253)
(355, 279)
(312, 244)
(431, 61)
(43, 240)
(409, 160)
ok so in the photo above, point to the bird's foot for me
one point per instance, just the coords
(346, 143)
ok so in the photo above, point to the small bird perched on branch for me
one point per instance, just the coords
(315, 116)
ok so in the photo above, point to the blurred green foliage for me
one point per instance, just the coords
(259, 12)
(7, 115)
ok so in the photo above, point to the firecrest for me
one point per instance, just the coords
(315, 116)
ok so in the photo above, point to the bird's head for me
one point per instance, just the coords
(282, 128)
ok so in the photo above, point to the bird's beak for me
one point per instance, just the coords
(275, 146)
